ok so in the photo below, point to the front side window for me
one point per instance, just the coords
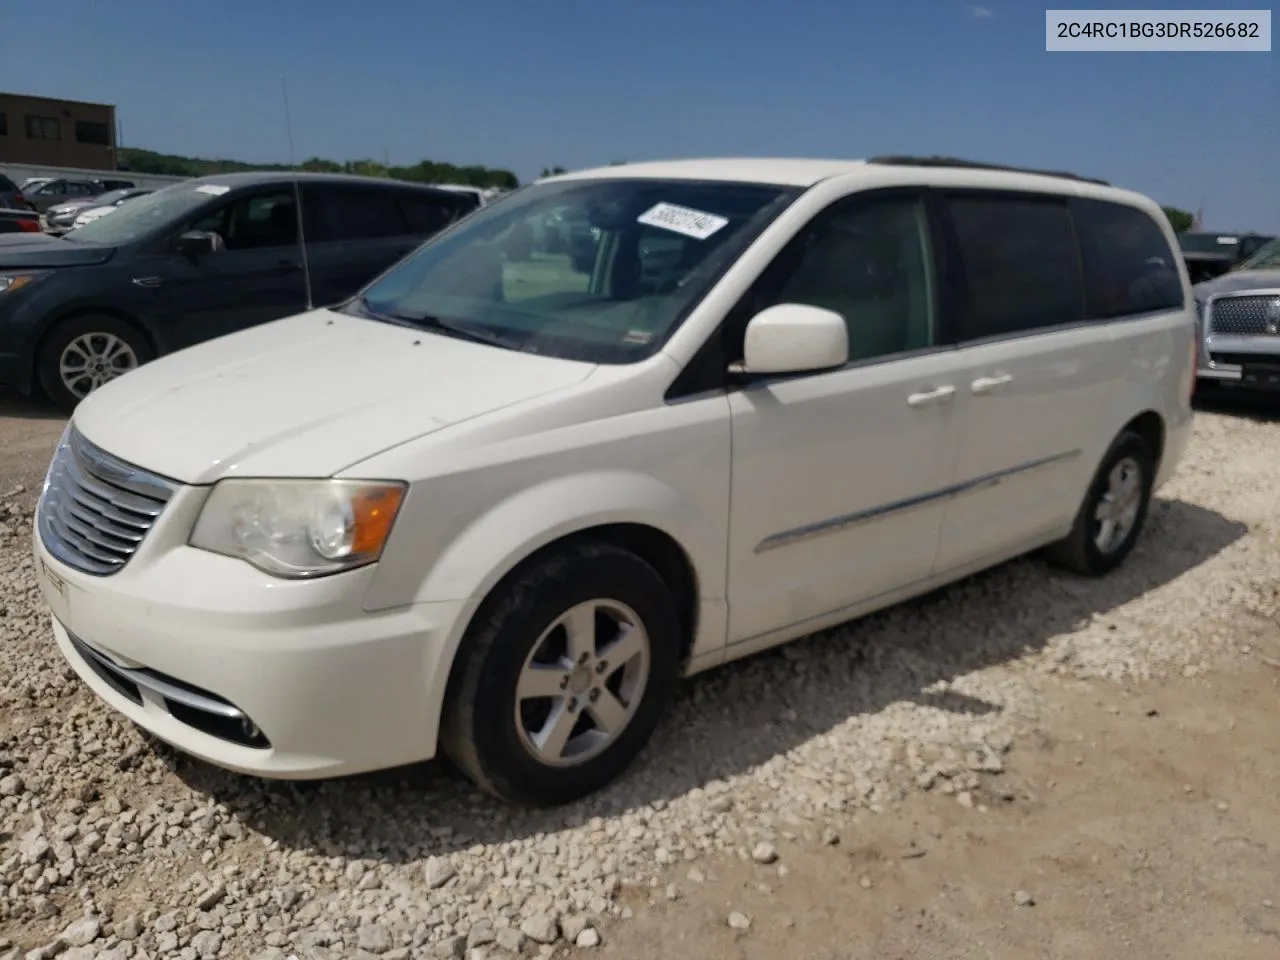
(253, 222)
(1021, 264)
(1128, 266)
(867, 260)
(597, 270)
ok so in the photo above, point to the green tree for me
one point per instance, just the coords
(1180, 220)
(424, 171)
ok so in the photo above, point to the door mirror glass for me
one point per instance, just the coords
(795, 338)
(197, 242)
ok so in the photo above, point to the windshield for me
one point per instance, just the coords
(139, 218)
(1267, 257)
(594, 270)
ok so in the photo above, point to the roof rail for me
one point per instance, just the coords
(975, 165)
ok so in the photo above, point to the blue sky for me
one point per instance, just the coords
(524, 85)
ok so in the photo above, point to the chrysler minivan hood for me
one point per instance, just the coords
(39, 251)
(305, 397)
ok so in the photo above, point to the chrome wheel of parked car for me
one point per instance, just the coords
(1117, 509)
(84, 353)
(92, 359)
(582, 682)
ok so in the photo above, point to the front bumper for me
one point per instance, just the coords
(280, 679)
(1244, 362)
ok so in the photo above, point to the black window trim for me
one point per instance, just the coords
(707, 372)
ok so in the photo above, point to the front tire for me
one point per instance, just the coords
(81, 354)
(1110, 519)
(563, 676)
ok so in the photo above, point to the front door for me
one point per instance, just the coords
(839, 478)
(255, 277)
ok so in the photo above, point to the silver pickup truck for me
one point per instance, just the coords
(1239, 323)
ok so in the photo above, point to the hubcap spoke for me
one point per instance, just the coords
(539, 680)
(580, 631)
(629, 645)
(554, 735)
(608, 712)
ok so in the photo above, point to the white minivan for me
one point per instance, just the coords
(499, 502)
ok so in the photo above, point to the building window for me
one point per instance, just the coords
(4, 125)
(88, 131)
(44, 128)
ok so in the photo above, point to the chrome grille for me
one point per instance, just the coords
(1245, 315)
(96, 509)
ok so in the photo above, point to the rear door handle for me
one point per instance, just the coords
(989, 384)
(936, 395)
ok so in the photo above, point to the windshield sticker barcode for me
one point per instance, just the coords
(213, 189)
(691, 223)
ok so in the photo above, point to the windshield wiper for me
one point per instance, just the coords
(449, 328)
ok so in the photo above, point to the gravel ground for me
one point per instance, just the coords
(112, 846)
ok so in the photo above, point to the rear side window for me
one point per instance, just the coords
(1128, 266)
(1021, 264)
(356, 213)
(7, 185)
(429, 213)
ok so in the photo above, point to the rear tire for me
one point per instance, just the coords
(81, 354)
(1113, 512)
(536, 713)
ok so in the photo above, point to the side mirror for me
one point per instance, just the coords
(794, 338)
(197, 242)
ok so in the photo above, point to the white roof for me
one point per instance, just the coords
(802, 172)
(797, 172)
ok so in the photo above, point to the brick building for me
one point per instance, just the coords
(57, 133)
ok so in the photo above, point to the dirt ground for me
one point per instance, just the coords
(1140, 821)
(1144, 824)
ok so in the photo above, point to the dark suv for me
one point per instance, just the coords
(196, 260)
(11, 197)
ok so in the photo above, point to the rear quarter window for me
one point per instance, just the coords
(1129, 267)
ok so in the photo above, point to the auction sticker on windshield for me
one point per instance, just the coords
(213, 189)
(691, 223)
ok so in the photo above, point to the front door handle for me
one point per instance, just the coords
(936, 395)
(989, 384)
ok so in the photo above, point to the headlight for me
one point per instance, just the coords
(299, 528)
(10, 282)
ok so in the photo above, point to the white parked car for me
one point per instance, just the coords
(499, 502)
